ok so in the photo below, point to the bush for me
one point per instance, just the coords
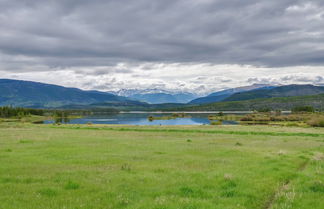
(278, 112)
(150, 118)
(178, 115)
(219, 122)
(303, 109)
(265, 109)
(248, 118)
(316, 122)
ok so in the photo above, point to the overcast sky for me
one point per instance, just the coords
(189, 45)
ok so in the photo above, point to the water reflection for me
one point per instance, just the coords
(139, 119)
(62, 120)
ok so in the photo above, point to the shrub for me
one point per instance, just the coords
(278, 112)
(219, 122)
(303, 109)
(247, 118)
(178, 115)
(265, 109)
(316, 122)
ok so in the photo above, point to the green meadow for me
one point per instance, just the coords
(160, 167)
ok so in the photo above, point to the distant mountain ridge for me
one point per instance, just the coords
(35, 94)
(275, 103)
(222, 95)
(156, 96)
(281, 91)
(129, 92)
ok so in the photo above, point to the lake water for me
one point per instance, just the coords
(142, 119)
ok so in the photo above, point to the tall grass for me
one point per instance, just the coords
(316, 121)
(259, 133)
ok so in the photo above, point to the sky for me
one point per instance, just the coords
(197, 46)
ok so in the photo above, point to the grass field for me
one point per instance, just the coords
(180, 167)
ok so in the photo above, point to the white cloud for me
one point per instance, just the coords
(200, 78)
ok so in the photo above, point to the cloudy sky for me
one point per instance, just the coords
(189, 45)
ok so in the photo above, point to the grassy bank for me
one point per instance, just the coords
(25, 119)
(87, 166)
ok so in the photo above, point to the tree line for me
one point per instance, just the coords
(7, 112)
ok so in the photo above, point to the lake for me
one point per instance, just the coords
(140, 118)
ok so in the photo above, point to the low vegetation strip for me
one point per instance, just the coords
(196, 131)
(284, 187)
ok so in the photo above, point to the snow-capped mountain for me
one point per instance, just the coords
(156, 96)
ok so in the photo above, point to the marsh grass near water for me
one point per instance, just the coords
(314, 119)
(169, 117)
(181, 167)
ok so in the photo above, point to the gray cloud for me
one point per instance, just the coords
(103, 33)
(187, 45)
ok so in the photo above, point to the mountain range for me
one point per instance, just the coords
(221, 95)
(281, 91)
(41, 95)
(156, 96)
(34, 94)
(274, 103)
